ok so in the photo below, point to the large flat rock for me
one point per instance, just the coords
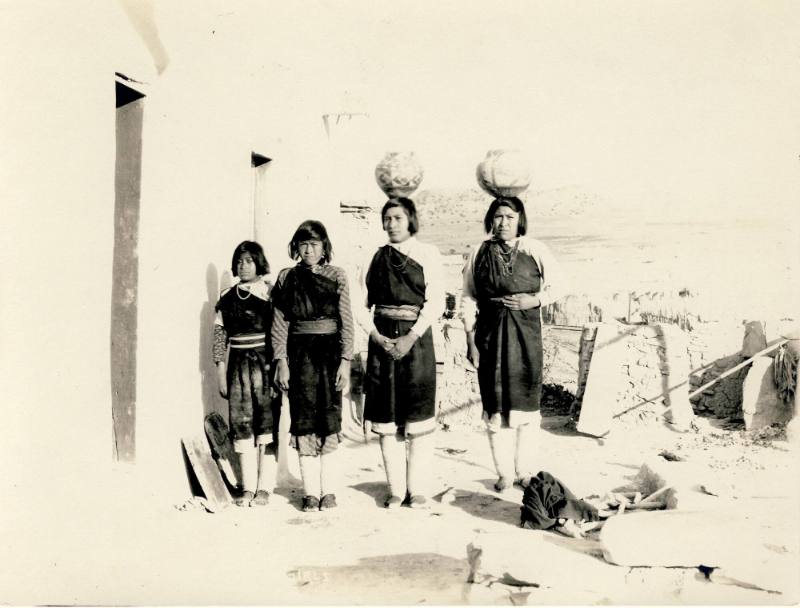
(761, 403)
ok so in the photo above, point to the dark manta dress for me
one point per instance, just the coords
(309, 301)
(509, 341)
(401, 391)
(247, 319)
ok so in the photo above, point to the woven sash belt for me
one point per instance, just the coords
(315, 326)
(248, 340)
(403, 312)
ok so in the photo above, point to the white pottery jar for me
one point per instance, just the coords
(399, 174)
(503, 173)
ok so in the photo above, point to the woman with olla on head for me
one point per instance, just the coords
(507, 279)
(404, 292)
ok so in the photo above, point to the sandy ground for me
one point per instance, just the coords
(118, 541)
(135, 548)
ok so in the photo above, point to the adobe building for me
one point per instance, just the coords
(142, 146)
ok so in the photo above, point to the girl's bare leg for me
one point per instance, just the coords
(501, 442)
(329, 478)
(267, 466)
(248, 461)
(393, 450)
(526, 450)
(420, 462)
(310, 471)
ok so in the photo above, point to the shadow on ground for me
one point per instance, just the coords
(487, 506)
(376, 489)
(406, 578)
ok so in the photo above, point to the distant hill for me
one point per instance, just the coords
(453, 218)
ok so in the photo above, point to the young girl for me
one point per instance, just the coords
(244, 317)
(312, 338)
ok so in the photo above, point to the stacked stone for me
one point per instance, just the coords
(457, 393)
(723, 399)
(635, 373)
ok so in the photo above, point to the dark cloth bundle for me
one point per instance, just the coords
(785, 373)
(546, 500)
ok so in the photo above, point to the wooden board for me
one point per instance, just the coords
(221, 446)
(206, 471)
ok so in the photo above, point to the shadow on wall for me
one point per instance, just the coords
(212, 402)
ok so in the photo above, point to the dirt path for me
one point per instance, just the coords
(132, 552)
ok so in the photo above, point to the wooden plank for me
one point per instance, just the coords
(206, 471)
(221, 446)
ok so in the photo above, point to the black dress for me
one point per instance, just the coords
(304, 294)
(247, 318)
(509, 341)
(401, 391)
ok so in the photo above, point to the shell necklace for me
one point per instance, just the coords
(247, 291)
(402, 265)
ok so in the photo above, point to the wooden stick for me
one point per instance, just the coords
(591, 525)
(705, 386)
(647, 506)
(655, 494)
(736, 368)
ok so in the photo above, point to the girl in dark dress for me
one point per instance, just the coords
(312, 339)
(404, 295)
(507, 279)
(244, 316)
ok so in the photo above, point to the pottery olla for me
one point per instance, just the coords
(399, 174)
(503, 173)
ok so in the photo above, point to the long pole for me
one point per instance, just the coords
(736, 368)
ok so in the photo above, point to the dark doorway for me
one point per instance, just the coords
(125, 273)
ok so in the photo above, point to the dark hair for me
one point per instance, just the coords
(513, 203)
(311, 230)
(255, 251)
(407, 205)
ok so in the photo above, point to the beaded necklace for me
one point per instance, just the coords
(402, 265)
(247, 291)
(506, 259)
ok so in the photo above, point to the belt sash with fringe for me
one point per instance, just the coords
(315, 326)
(401, 312)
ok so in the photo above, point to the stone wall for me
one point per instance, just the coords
(706, 340)
(633, 373)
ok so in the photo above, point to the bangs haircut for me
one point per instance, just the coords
(256, 252)
(407, 205)
(311, 230)
(513, 203)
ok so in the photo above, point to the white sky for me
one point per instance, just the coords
(684, 105)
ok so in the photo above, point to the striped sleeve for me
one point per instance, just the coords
(469, 301)
(220, 346)
(345, 314)
(280, 326)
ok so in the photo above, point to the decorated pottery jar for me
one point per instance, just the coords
(399, 174)
(503, 173)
